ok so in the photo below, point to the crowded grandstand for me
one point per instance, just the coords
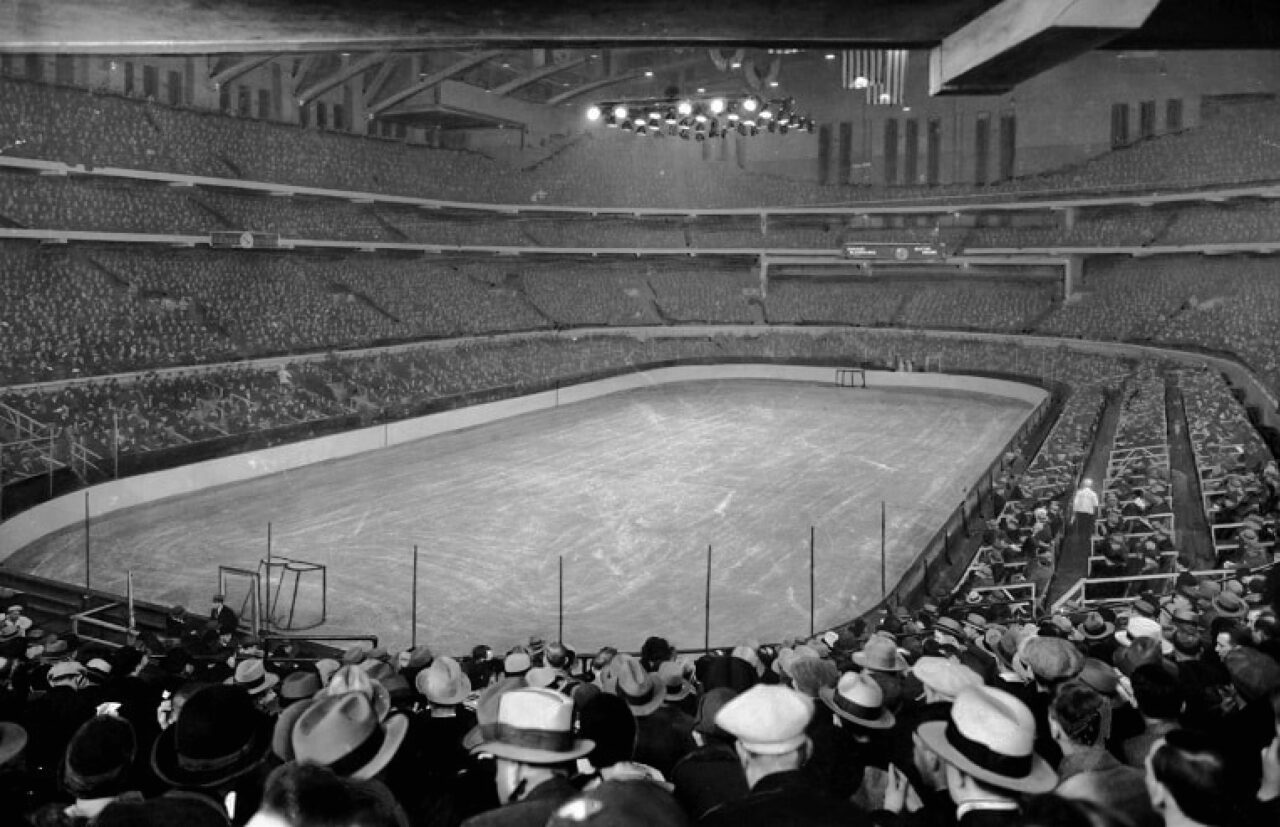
(217, 251)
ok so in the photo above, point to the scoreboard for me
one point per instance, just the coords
(889, 253)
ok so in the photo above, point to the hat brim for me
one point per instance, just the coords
(268, 682)
(457, 697)
(164, 759)
(885, 721)
(13, 740)
(685, 690)
(531, 755)
(1041, 778)
(397, 726)
(282, 732)
(1108, 629)
(1124, 639)
(658, 692)
(899, 663)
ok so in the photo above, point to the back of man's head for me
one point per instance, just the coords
(1193, 769)
(1157, 692)
(1079, 711)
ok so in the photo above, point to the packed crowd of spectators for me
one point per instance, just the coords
(63, 317)
(100, 204)
(263, 304)
(165, 410)
(1238, 479)
(704, 294)
(973, 712)
(1229, 305)
(601, 168)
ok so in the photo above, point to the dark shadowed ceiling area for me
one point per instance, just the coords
(204, 26)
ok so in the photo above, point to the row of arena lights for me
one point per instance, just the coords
(712, 118)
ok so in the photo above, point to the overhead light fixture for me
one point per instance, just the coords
(700, 118)
(830, 56)
(648, 73)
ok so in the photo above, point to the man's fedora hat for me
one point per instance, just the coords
(990, 735)
(534, 726)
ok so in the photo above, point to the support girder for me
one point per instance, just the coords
(535, 75)
(434, 78)
(343, 74)
(237, 69)
(1018, 39)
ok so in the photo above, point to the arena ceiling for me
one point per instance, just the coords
(420, 62)
(168, 26)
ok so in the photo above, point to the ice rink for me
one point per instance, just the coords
(629, 489)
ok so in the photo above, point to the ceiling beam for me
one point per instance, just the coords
(237, 69)
(612, 80)
(384, 73)
(1018, 39)
(427, 82)
(536, 75)
(299, 74)
(344, 73)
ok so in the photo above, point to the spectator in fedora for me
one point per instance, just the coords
(217, 746)
(98, 768)
(344, 734)
(710, 775)
(1077, 722)
(1095, 634)
(52, 718)
(769, 723)
(987, 746)
(252, 676)
(857, 710)
(661, 737)
(436, 733)
(535, 749)
(881, 660)
(680, 693)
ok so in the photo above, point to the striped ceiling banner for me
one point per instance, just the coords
(880, 73)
